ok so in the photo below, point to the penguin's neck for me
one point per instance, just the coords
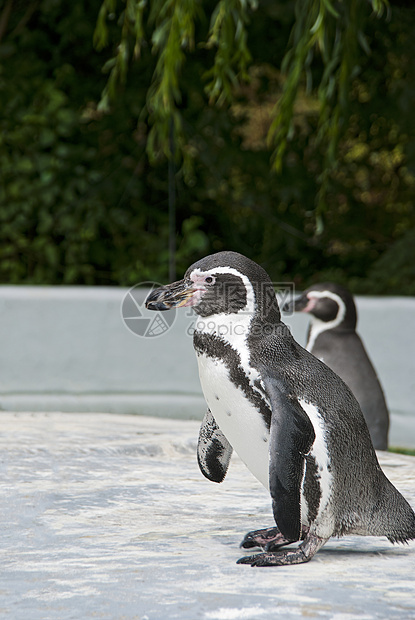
(230, 329)
(317, 327)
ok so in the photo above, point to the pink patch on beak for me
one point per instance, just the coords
(311, 303)
(192, 299)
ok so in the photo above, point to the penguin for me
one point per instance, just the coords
(293, 422)
(333, 339)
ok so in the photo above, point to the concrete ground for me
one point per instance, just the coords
(107, 516)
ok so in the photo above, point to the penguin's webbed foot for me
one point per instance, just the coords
(269, 539)
(302, 554)
(268, 559)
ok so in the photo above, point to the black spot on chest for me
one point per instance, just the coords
(216, 348)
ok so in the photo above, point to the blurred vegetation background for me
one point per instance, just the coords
(283, 130)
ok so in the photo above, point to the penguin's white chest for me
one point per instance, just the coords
(238, 418)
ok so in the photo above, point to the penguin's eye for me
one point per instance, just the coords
(209, 280)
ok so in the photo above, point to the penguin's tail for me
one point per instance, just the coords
(393, 516)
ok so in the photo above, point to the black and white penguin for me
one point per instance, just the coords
(333, 339)
(291, 419)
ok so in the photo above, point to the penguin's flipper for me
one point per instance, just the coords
(291, 437)
(213, 450)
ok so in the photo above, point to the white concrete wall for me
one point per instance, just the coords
(67, 349)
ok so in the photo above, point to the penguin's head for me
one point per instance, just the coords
(327, 302)
(226, 282)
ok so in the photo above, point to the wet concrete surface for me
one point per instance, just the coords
(107, 516)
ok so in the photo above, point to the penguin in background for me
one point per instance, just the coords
(332, 337)
(292, 420)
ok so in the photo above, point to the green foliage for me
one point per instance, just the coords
(394, 271)
(407, 451)
(228, 35)
(76, 188)
(84, 187)
(333, 31)
(169, 25)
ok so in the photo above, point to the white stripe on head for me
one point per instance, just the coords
(250, 295)
(317, 325)
(232, 327)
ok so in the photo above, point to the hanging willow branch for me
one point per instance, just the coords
(335, 31)
(227, 34)
(332, 29)
(171, 24)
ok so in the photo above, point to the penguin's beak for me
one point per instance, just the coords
(296, 305)
(173, 295)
